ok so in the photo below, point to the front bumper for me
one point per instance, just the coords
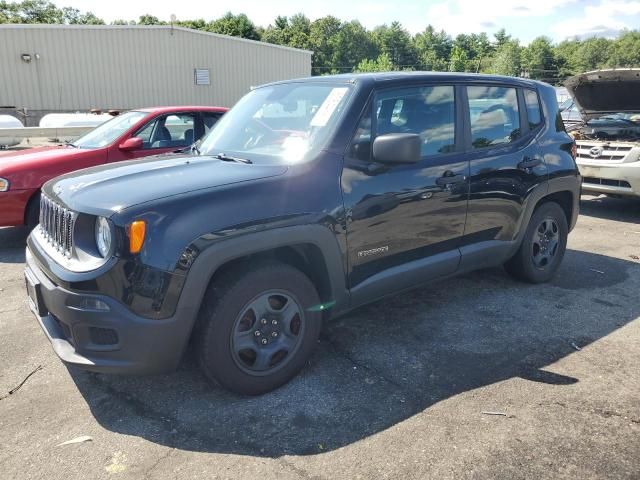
(615, 178)
(113, 340)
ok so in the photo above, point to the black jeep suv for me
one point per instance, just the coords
(309, 198)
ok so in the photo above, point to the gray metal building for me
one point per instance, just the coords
(66, 68)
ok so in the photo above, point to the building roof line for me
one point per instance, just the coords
(149, 27)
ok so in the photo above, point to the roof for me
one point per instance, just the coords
(392, 78)
(193, 31)
(181, 109)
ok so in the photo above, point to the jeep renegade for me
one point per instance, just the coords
(309, 198)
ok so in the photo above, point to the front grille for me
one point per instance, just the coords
(56, 223)
(607, 152)
(606, 181)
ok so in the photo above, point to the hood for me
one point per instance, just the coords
(29, 155)
(108, 189)
(603, 92)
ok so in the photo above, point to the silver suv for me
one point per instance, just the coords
(608, 138)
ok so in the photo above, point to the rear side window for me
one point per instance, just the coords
(533, 108)
(495, 119)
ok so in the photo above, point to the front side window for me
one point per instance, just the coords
(494, 115)
(283, 123)
(169, 131)
(106, 133)
(426, 111)
(533, 108)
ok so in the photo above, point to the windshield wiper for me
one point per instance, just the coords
(70, 144)
(227, 158)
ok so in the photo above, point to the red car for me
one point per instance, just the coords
(134, 134)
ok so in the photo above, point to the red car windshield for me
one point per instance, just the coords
(108, 132)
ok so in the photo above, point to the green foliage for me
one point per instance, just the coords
(340, 46)
(397, 43)
(433, 49)
(458, 59)
(507, 59)
(43, 11)
(381, 64)
(150, 20)
(233, 25)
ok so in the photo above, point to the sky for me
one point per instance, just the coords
(523, 19)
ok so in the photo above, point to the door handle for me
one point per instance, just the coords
(527, 163)
(449, 178)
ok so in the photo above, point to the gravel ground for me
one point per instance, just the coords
(399, 389)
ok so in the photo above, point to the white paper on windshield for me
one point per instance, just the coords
(322, 116)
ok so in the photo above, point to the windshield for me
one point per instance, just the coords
(107, 132)
(283, 123)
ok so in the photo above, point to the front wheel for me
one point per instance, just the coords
(543, 245)
(258, 329)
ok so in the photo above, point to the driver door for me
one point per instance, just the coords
(405, 222)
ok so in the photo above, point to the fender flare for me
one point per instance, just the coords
(220, 252)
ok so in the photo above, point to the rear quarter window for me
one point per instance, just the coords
(532, 102)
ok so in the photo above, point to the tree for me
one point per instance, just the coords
(507, 59)
(196, 24)
(625, 51)
(150, 20)
(381, 64)
(501, 37)
(539, 60)
(323, 33)
(397, 43)
(293, 32)
(353, 43)
(458, 60)
(235, 26)
(433, 49)
(73, 16)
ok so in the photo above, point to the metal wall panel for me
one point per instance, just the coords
(123, 67)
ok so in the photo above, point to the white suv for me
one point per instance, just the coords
(608, 140)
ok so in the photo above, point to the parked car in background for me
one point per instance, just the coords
(570, 113)
(608, 138)
(562, 94)
(134, 134)
(310, 198)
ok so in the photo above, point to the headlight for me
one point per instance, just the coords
(4, 184)
(104, 238)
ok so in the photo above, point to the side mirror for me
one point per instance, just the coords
(130, 144)
(397, 148)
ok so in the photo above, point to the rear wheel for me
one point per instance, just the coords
(543, 246)
(258, 329)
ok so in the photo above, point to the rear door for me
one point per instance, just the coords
(505, 162)
(401, 217)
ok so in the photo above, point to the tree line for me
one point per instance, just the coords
(347, 46)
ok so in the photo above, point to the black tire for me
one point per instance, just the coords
(228, 309)
(526, 264)
(32, 214)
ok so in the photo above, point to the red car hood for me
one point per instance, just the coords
(31, 167)
(21, 160)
